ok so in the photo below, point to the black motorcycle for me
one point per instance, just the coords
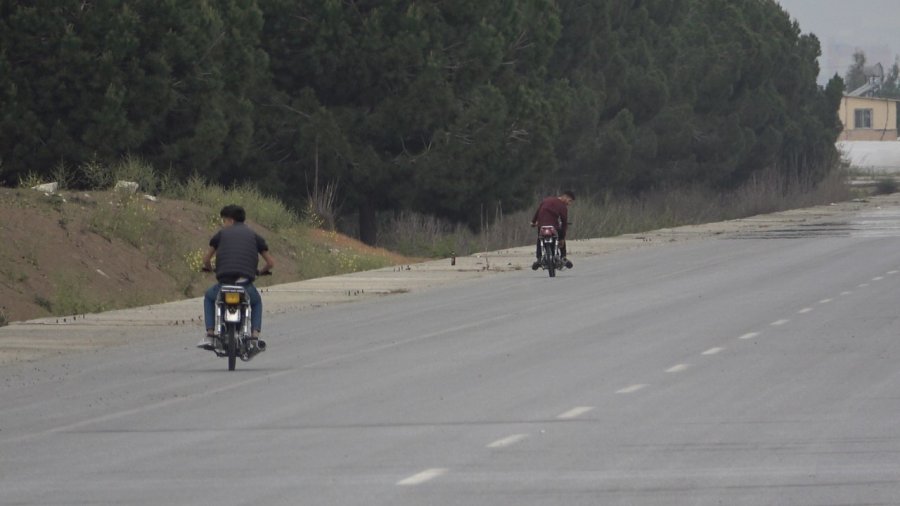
(233, 335)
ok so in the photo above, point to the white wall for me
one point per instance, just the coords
(872, 155)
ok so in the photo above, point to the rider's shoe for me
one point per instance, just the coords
(256, 343)
(207, 343)
(567, 263)
(535, 266)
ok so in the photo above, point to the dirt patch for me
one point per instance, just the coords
(82, 252)
(76, 253)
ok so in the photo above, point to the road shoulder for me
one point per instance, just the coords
(37, 339)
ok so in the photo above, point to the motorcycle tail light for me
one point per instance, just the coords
(232, 298)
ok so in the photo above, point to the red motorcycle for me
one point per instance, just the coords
(551, 258)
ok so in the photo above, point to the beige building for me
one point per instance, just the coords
(868, 119)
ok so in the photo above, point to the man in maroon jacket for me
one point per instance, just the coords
(554, 211)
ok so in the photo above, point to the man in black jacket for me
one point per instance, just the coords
(237, 249)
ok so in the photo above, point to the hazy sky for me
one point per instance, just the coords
(844, 25)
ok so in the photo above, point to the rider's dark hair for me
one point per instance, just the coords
(570, 194)
(235, 212)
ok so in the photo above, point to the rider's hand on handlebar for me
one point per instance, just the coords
(263, 273)
(206, 269)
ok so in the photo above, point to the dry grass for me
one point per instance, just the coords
(605, 216)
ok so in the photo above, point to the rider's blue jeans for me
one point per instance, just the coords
(209, 306)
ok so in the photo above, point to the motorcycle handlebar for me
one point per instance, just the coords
(258, 273)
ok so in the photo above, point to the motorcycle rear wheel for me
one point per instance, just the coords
(231, 346)
(549, 264)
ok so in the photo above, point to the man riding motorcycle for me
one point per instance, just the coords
(236, 248)
(554, 211)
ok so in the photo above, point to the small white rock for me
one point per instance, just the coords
(129, 186)
(47, 187)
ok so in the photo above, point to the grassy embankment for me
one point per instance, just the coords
(86, 250)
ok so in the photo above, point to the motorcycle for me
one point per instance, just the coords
(233, 335)
(551, 258)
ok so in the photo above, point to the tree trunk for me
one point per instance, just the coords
(368, 226)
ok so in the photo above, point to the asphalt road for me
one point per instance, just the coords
(755, 370)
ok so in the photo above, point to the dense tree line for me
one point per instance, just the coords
(445, 107)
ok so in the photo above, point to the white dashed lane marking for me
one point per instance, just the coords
(508, 441)
(631, 389)
(575, 412)
(419, 478)
(430, 474)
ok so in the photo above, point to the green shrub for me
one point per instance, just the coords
(267, 211)
(30, 180)
(71, 299)
(885, 186)
(43, 302)
(134, 168)
(64, 175)
(128, 218)
(96, 176)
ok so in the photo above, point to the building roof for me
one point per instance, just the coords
(864, 91)
(880, 99)
(874, 75)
